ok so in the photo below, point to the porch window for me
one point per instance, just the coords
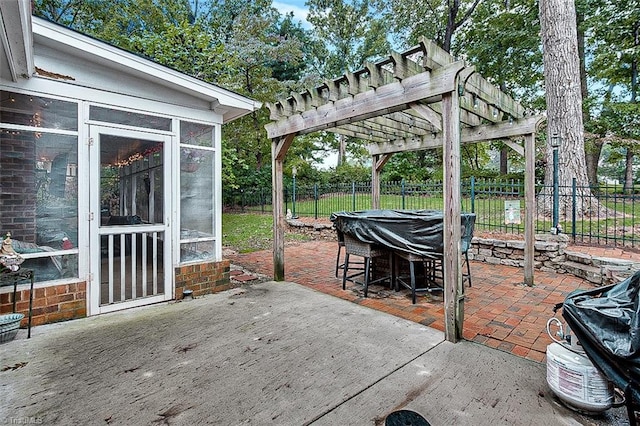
(39, 182)
(197, 235)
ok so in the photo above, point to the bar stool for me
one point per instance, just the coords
(354, 270)
(340, 245)
(431, 266)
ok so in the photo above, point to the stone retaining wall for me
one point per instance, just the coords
(549, 252)
(317, 231)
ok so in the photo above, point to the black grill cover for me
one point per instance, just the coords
(606, 321)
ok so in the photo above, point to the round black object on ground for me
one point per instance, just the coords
(405, 418)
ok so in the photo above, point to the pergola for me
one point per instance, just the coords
(422, 98)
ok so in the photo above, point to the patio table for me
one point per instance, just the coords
(413, 235)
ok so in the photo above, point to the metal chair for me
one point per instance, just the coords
(353, 270)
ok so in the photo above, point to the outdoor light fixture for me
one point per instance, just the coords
(475, 100)
(555, 141)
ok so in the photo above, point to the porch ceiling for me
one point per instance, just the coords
(396, 104)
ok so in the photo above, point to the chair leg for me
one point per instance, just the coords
(367, 263)
(338, 260)
(344, 271)
(468, 274)
(466, 258)
(413, 281)
(392, 270)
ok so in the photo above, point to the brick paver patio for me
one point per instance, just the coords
(499, 311)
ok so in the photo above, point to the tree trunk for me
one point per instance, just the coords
(592, 151)
(564, 104)
(342, 149)
(504, 156)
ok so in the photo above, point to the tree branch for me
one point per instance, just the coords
(467, 14)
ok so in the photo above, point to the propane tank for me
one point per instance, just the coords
(573, 377)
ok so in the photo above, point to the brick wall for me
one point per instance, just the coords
(17, 185)
(203, 278)
(50, 304)
(69, 301)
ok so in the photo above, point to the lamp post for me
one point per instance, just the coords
(555, 144)
(294, 171)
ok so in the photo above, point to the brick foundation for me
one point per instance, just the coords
(50, 304)
(69, 301)
(203, 278)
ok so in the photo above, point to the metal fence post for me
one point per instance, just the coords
(353, 196)
(315, 199)
(473, 194)
(574, 197)
(402, 192)
(555, 144)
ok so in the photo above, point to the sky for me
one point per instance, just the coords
(297, 6)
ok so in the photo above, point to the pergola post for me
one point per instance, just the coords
(376, 167)
(529, 207)
(279, 148)
(375, 183)
(453, 296)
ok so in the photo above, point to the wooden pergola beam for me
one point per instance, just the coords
(484, 133)
(372, 103)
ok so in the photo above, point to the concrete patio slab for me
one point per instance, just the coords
(267, 354)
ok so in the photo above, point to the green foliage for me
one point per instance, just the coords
(434, 19)
(412, 166)
(614, 43)
(502, 41)
(351, 32)
(347, 173)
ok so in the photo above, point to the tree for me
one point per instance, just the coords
(433, 19)
(615, 40)
(502, 41)
(564, 100)
(352, 34)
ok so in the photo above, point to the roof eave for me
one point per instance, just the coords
(17, 38)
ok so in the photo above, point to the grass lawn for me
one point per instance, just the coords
(247, 232)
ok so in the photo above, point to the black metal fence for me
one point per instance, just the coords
(606, 217)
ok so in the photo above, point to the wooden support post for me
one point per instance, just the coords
(377, 165)
(453, 290)
(529, 207)
(279, 148)
(375, 183)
